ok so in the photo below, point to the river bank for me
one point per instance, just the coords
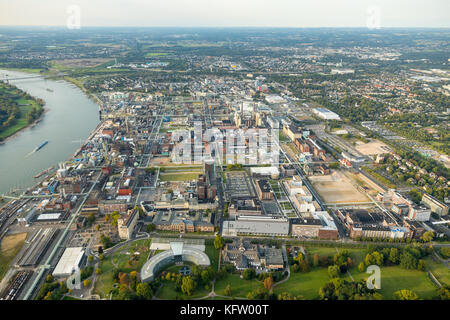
(70, 116)
(25, 105)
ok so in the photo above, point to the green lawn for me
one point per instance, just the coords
(155, 54)
(168, 292)
(104, 283)
(440, 271)
(25, 105)
(212, 253)
(178, 176)
(305, 284)
(394, 278)
(239, 287)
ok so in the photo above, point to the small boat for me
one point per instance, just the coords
(49, 90)
(39, 147)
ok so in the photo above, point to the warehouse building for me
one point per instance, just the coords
(326, 114)
(70, 261)
(262, 225)
(435, 205)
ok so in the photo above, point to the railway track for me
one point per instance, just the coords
(13, 290)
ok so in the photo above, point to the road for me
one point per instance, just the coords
(218, 219)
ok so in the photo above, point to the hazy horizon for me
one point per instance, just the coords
(233, 13)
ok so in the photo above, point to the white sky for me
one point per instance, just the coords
(204, 13)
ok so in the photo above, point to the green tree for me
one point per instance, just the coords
(87, 283)
(219, 242)
(316, 260)
(421, 265)
(188, 285)
(268, 283)
(405, 295)
(144, 291)
(428, 236)
(361, 267)
(228, 290)
(394, 255)
(249, 274)
(408, 261)
(333, 271)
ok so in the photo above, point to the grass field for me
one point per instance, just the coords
(178, 176)
(25, 105)
(440, 271)
(10, 247)
(305, 284)
(212, 253)
(239, 287)
(156, 54)
(121, 260)
(168, 292)
(394, 278)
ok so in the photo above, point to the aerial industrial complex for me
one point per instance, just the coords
(208, 174)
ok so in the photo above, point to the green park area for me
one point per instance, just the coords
(306, 284)
(239, 287)
(178, 176)
(127, 259)
(17, 110)
(393, 277)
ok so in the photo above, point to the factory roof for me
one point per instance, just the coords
(69, 261)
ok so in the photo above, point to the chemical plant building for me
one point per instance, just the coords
(71, 261)
(403, 206)
(264, 190)
(262, 225)
(435, 205)
(364, 224)
(326, 114)
(126, 224)
(321, 226)
(182, 222)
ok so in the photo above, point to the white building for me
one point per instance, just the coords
(326, 114)
(271, 172)
(69, 262)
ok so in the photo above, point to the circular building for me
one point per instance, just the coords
(178, 252)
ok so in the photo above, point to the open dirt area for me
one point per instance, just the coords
(159, 161)
(365, 182)
(372, 148)
(337, 188)
(9, 248)
(12, 241)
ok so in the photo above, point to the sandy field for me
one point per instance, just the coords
(12, 241)
(158, 161)
(337, 188)
(372, 148)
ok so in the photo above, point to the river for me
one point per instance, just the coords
(70, 116)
